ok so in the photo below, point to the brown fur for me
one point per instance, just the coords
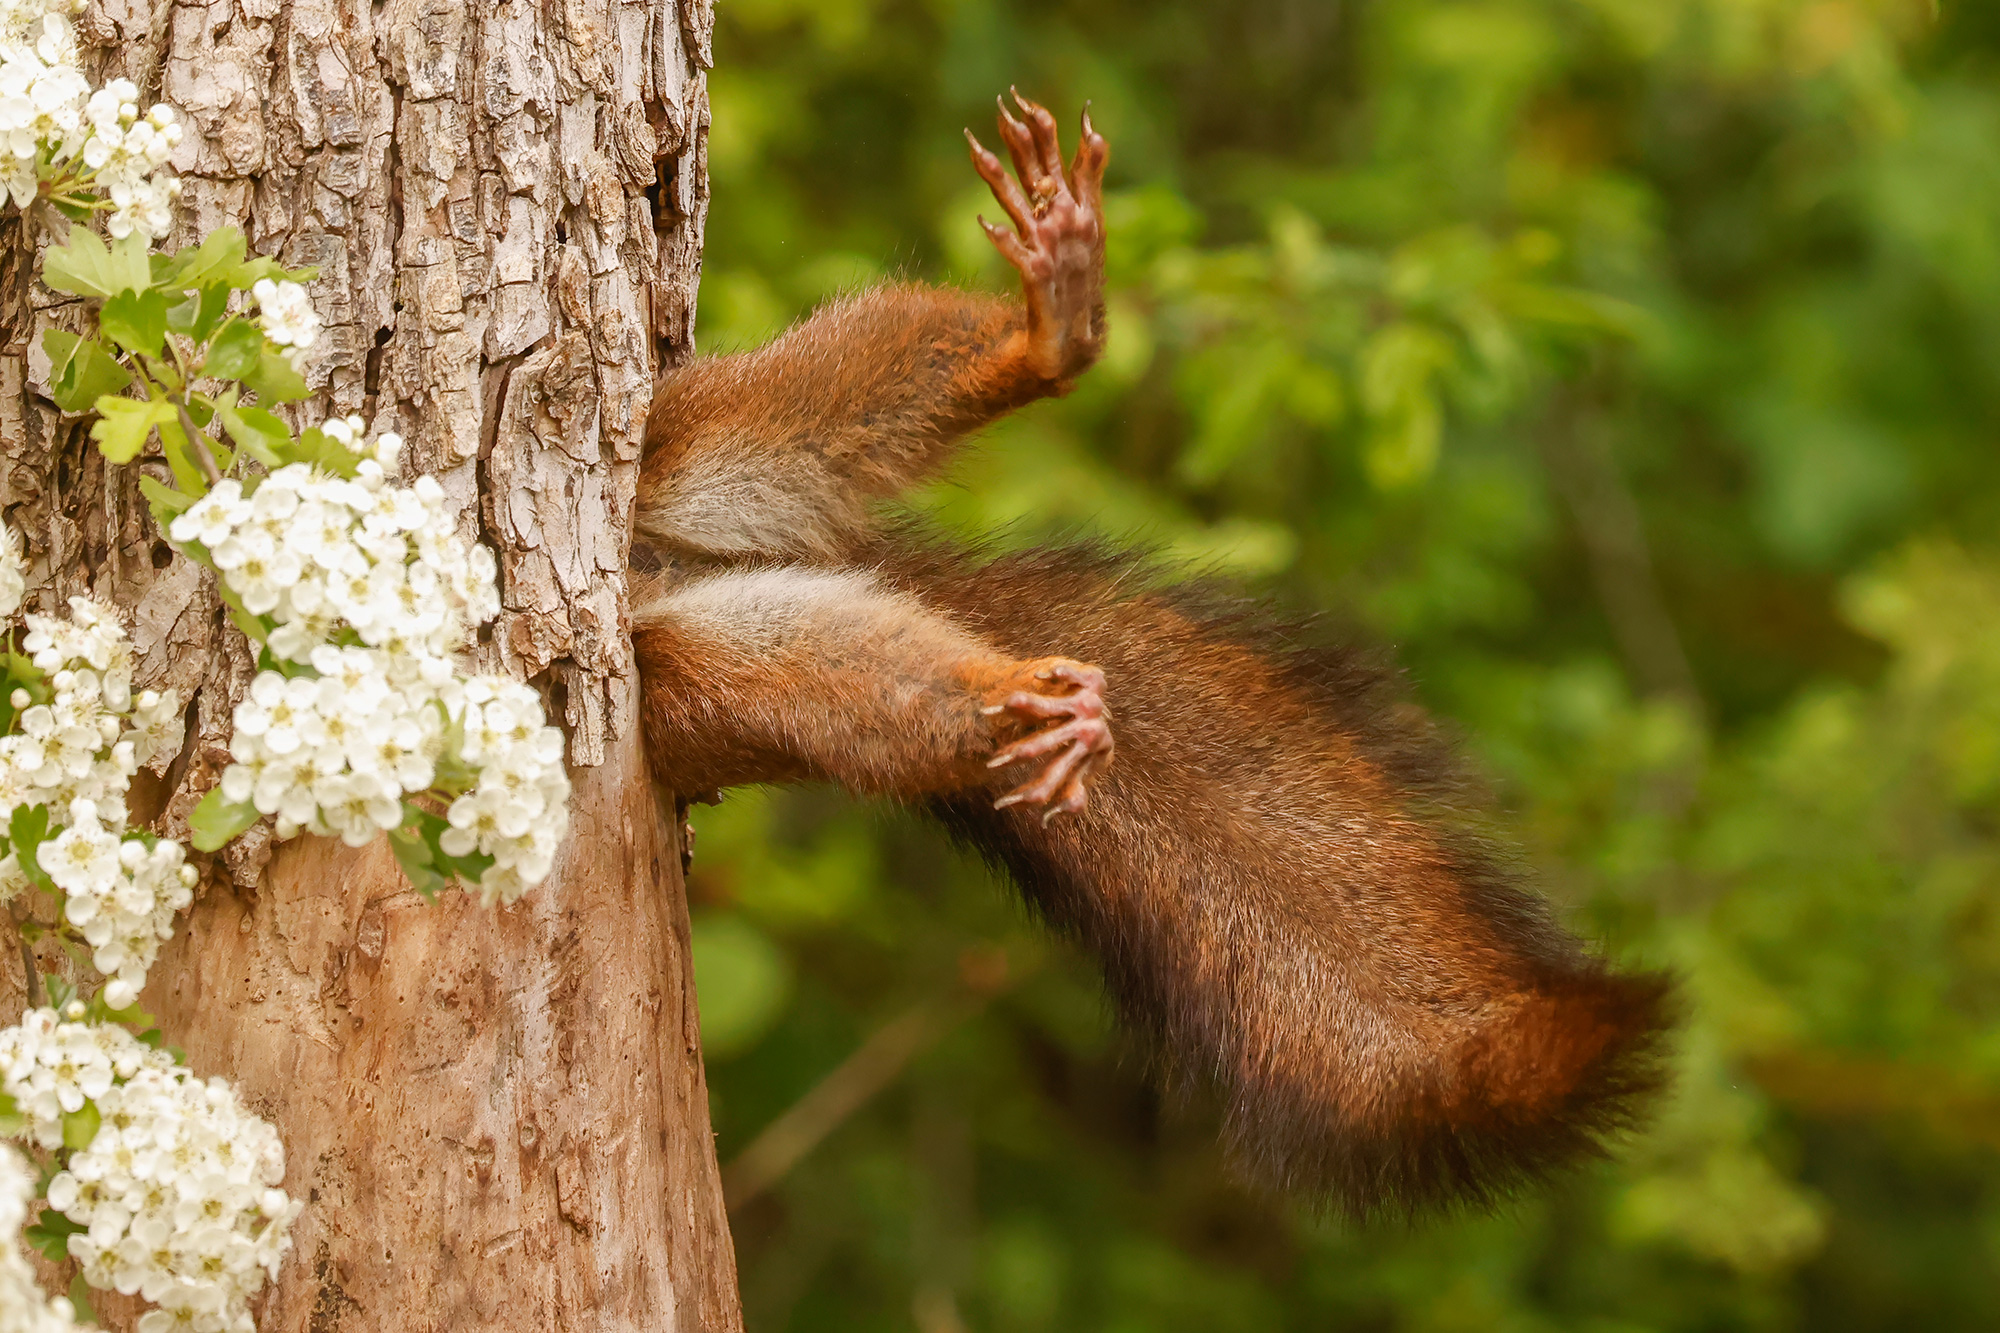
(1287, 901)
(1290, 908)
(862, 400)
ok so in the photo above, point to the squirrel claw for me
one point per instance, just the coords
(1074, 749)
(1057, 239)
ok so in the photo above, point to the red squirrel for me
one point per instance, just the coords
(1252, 831)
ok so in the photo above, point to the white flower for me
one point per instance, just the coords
(211, 519)
(23, 1306)
(288, 316)
(177, 1192)
(83, 858)
(158, 727)
(13, 575)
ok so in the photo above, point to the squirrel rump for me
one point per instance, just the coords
(1286, 903)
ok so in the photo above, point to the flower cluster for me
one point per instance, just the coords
(23, 1309)
(367, 587)
(128, 154)
(13, 573)
(317, 553)
(121, 892)
(74, 756)
(177, 1190)
(518, 811)
(288, 316)
(56, 132)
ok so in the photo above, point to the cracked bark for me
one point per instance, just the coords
(495, 1116)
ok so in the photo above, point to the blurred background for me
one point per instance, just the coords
(1633, 367)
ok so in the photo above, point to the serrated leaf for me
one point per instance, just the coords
(80, 1126)
(267, 439)
(201, 312)
(136, 321)
(217, 819)
(81, 371)
(214, 260)
(84, 266)
(322, 451)
(123, 424)
(276, 380)
(26, 830)
(60, 344)
(236, 351)
(50, 1235)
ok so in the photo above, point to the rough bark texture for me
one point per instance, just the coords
(498, 1119)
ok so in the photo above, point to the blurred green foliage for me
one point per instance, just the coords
(1634, 367)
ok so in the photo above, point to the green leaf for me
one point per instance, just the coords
(20, 673)
(216, 259)
(27, 830)
(80, 1126)
(85, 267)
(136, 321)
(276, 380)
(264, 436)
(413, 853)
(81, 371)
(79, 1299)
(59, 992)
(321, 450)
(181, 458)
(431, 829)
(124, 423)
(164, 500)
(51, 1235)
(217, 819)
(130, 1016)
(12, 1122)
(236, 352)
(199, 314)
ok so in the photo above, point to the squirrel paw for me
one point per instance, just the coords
(1077, 734)
(1057, 242)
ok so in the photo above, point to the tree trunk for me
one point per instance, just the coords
(496, 1117)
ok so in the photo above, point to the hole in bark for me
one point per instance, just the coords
(372, 372)
(163, 555)
(666, 211)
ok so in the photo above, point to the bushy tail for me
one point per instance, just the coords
(1289, 909)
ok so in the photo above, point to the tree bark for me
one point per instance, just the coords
(496, 1117)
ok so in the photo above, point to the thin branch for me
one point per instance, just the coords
(875, 1065)
(198, 443)
(1613, 534)
(30, 981)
